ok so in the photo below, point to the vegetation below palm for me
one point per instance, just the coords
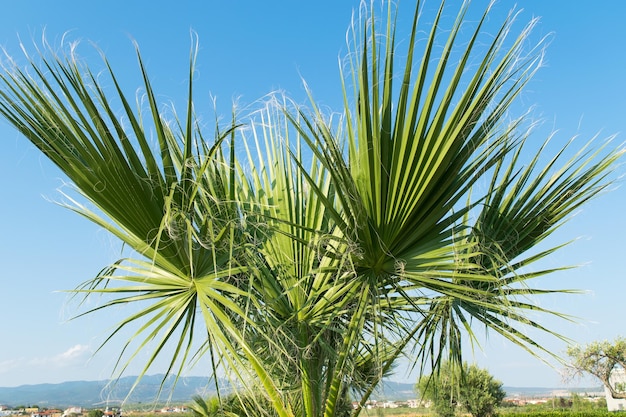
(467, 388)
(305, 254)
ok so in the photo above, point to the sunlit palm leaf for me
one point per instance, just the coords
(406, 188)
(173, 206)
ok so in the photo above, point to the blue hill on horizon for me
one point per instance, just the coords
(99, 394)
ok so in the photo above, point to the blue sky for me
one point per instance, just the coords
(248, 49)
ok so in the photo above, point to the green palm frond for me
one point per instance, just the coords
(407, 186)
(173, 206)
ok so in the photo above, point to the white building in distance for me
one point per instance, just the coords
(617, 380)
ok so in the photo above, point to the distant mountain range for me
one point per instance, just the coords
(99, 394)
(92, 394)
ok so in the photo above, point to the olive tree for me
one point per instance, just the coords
(601, 359)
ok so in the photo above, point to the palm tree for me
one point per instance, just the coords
(307, 262)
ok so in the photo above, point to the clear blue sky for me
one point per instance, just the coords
(248, 49)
